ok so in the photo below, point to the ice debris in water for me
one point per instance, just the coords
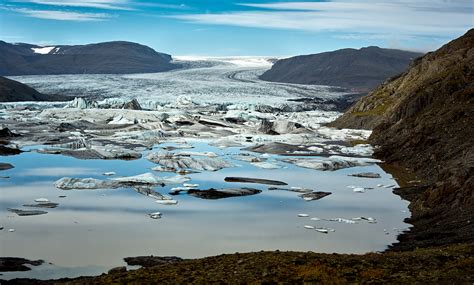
(155, 215)
(41, 200)
(167, 202)
(331, 163)
(67, 183)
(170, 160)
(109, 173)
(309, 227)
(342, 220)
(358, 190)
(303, 215)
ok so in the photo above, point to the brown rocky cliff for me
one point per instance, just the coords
(423, 120)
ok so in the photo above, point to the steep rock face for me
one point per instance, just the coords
(360, 69)
(14, 91)
(424, 121)
(110, 57)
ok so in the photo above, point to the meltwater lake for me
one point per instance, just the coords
(92, 230)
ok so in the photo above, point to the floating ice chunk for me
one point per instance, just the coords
(27, 212)
(322, 230)
(170, 160)
(167, 202)
(359, 190)
(342, 220)
(315, 219)
(195, 153)
(184, 101)
(316, 195)
(265, 165)
(379, 185)
(146, 178)
(248, 158)
(155, 215)
(67, 183)
(189, 185)
(309, 227)
(121, 120)
(41, 200)
(109, 173)
(81, 103)
(11, 230)
(331, 163)
(368, 219)
(303, 215)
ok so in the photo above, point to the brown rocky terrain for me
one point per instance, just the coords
(423, 121)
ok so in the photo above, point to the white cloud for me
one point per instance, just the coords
(403, 17)
(98, 4)
(61, 15)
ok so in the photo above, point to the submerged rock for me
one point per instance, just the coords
(223, 193)
(254, 180)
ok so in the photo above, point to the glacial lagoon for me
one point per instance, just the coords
(92, 230)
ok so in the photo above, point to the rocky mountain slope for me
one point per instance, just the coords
(14, 91)
(423, 120)
(109, 57)
(359, 69)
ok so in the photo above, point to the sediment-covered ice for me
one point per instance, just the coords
(330, 163)
(173, 161)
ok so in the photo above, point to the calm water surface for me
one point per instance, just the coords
(92, 230)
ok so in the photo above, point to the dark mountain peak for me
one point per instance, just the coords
(117, 57)
(359, 69)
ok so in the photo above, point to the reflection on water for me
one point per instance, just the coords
(92, 230)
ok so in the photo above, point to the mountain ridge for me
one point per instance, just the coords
(117, 57)
(357, 69)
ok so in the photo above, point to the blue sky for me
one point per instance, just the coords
(240, 27)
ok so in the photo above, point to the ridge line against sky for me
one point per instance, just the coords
(258, 27)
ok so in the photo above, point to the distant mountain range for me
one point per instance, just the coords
(14, 91)
(358, 69)
(110, 57)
